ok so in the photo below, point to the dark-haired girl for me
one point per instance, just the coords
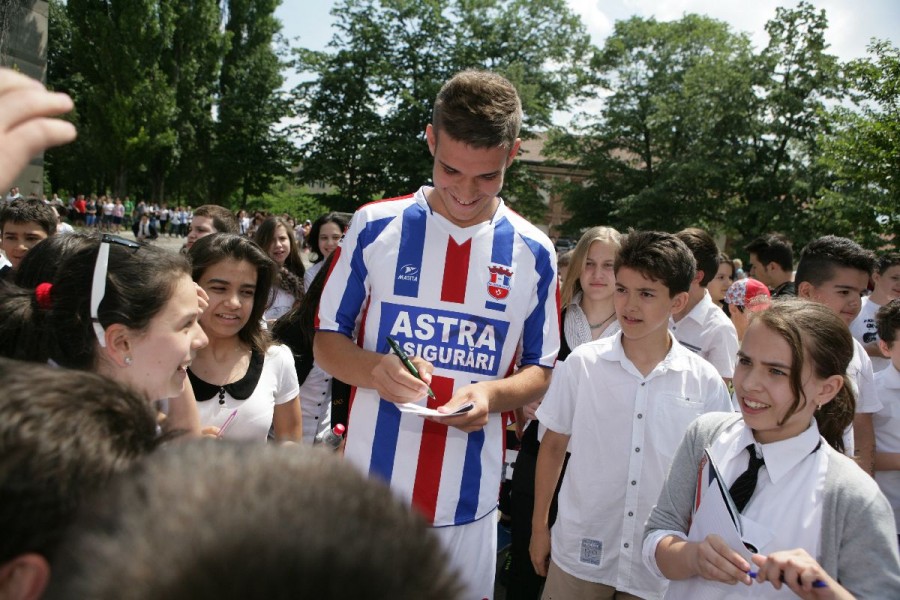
(276, 237)
(241, 372)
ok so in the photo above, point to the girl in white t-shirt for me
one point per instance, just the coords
(276, 237)
(241, 378)
(815, 524)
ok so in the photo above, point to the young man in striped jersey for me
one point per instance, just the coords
(468, 289)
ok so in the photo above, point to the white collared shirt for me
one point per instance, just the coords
(862, 380)
(577, 329)
(785, 511)
(624, 430)
(708, 331)
(887, 432)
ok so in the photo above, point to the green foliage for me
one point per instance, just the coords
(863, 199)
(365, 102)
(286, 197)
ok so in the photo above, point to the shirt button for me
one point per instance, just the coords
(626, 544)
(633, 482)
(640, 416)
(630, 513)
(643, 383)
(317, 418)
(637, 449)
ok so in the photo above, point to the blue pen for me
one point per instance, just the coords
(818, 583)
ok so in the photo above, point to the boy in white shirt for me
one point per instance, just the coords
(623, 403)
(887, 420)
(835, 271)
(702, 326)
(886, 280)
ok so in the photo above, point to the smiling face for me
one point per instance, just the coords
(888, 283)
(466, 179)
(643, 306)
(719, 285)
(597, 279)
(163, 351)
(19, 238)
(330, 235)
(762, 384)
(280, 246)
(842, 293)
(231, 285)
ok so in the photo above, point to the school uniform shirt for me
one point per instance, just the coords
(863, 328)
(708, 331)
(624, 430)
(475, 302)
(276, 383)
(315, 403)
(281, 302)
(887, 432)
(862, 380)
(807, 496)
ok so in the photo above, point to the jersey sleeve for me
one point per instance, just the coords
(346, 287)
(540, 335)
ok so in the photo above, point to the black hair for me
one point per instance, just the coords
(223, 219)
(265, 233)
(703, 247)
(29, 210)
(222, 521)
(139, 282)
(773, 247)
(215, 248)
(820, 257)
(886, 261)
(63, 433)
(887, 321)
(313, 238)
(659, 256)
(43, 260)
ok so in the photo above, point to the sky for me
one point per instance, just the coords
(852, 23)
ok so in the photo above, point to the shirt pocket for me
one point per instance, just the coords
(672, 414)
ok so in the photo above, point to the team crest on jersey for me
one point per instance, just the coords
(408, 273)
(499, 285)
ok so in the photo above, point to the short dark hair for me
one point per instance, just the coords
(822, 256)
(775, 248)
(213, 249)
(44, 259)
(479, 108)
(705, 251)
(223, 219)
(658, 256)
(887, 321)
(29, 210)
(296, 522)
(883, 262)
(313, 237)
(63, 434)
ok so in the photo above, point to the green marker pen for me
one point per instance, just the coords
(406, 362)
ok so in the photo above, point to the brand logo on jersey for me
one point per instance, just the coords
(408, 273)
(498, 286)
(449, 340)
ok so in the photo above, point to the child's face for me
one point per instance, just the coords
(888, 282)
(597, 278)
(231, 287)
(892, 351)
(842, 293)
(643, 306)
(763, 389)
(18, 239)
(719, 285)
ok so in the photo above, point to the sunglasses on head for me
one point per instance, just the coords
(98, 285)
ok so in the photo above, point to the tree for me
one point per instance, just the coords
(678, 113)
(250, 150)
(367, 99)
(863, 155)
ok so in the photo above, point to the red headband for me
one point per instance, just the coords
(42, 295)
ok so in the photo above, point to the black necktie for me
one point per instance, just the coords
(742, 488)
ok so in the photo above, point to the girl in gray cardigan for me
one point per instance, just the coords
(815, 523)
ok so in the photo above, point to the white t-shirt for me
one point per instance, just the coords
(310, 274)
(863, 328)
(281, 301)
(708, 331)
(277, 384)
(624, 430)
(887, 432)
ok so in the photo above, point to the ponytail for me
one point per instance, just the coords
(834, 417)
(22, 324)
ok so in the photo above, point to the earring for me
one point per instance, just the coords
(128, 361)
